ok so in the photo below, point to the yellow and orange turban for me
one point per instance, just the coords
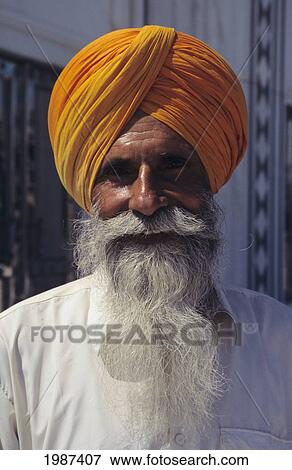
(174, 77)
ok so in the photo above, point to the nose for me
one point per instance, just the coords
(144, 196)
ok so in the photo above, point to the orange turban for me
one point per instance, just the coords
(174, 77)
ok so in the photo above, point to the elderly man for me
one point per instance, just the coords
(146, 350)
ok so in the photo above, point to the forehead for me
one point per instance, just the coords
(151, 134)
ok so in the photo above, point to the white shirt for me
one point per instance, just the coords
(51, 396)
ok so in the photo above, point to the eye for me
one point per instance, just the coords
(112, 171)
(179, 163)
(117, 174)
(173, 162)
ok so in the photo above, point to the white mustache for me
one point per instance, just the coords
(173, 220)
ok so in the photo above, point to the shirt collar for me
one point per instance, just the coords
(224, 303)
(225, 318)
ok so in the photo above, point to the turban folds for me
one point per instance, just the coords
(174, 77)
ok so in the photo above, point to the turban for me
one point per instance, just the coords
(172, 76)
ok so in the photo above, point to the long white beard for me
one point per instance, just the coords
(164, 287)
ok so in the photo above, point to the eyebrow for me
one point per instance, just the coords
(122, 161)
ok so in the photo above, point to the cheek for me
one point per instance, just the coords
(111, 200)
(190, 201)
(190, 192)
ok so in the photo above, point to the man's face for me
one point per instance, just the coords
(148, 167)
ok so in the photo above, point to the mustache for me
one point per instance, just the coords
(173, 220)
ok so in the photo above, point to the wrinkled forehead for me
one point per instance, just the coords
(144, 125)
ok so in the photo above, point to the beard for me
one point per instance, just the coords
(159, 275)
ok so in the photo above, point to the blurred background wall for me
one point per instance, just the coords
(37, 38)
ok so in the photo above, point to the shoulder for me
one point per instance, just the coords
(64, 290)
(255, 300)
(50, 302)
(248, 306)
